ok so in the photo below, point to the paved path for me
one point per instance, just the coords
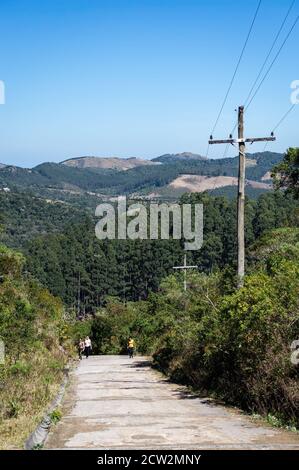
(118, 403)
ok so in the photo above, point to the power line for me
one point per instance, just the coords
(207, 152)
(273, 62)
(237, 67)
(264, 64)
(235, 72)
(268, 71)
(227, 145)
(270, 51)
(261, 70)
(284, 117)
(281, 121)
(224, 155)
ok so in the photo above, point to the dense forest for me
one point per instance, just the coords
(83, 270)
(24, 216)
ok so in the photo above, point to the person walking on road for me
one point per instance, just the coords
(88, 347)
(131, 347)
(81, 348)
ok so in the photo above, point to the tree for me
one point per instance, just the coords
(286, 173)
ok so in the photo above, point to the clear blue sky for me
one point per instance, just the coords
(138, 77)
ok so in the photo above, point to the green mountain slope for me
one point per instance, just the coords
(24, 216)
(135, 180)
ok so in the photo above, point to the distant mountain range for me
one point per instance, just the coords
(165, 176)
(178, 157)
(114, 163)
(123, 164)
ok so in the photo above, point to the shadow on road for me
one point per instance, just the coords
(136, 364)
(181, 393)
(184, 394)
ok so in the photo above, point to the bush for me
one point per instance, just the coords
(31, 323)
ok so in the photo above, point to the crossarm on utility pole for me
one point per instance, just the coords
(184, 268)
(237, 141)
(241, 141)
(261, 139)
(223, 141)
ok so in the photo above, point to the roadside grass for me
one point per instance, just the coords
(24, 398)
(55, 416)
(275, 422)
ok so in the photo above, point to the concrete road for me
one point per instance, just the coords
(118, 403)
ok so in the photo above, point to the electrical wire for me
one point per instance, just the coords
(281, 121)
(237, 66)
(235, 72)
(268, 71)
(270, 51)
(273, 62)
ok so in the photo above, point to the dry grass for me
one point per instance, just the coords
(27, 389)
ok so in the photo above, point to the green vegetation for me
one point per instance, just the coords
(24, 217)
(55, 416)
(54, 176)
(83, 270)
(35, 335)
(286, 173)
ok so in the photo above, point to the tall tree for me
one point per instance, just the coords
(286, 173)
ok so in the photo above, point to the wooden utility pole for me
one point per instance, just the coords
(241, 198)
(184, 268)
(241, 141)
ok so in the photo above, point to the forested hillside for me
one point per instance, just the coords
(83, 270)
(24, 216)
(56, 177)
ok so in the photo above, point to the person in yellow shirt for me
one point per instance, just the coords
(131, 347)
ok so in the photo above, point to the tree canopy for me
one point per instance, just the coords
(286, 173)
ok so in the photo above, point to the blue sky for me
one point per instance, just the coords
(137, 77)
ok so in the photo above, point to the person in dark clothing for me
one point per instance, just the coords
(81, 348)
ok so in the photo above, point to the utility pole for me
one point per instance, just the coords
(241, 198)
(184, 268)
(241, 141)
